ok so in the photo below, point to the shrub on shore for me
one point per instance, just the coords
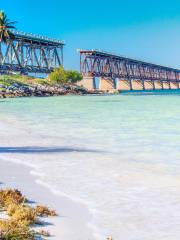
(9, 196)
(21, 216)
(62, 76)
(43, 211)
(11, 230)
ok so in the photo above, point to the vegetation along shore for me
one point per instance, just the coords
(19, 219)
(25, 86)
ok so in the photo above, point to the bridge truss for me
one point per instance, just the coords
(27, 53)
(106, 65)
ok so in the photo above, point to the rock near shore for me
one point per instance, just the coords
(21, 90)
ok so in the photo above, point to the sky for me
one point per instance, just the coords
(147, 30)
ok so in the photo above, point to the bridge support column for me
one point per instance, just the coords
(174, 85)
(116, 83)
(96, 83)
(153, 85)
(178, 85)
(143, 85)
(166, 85)
(162, 84)
(169, 85)
(130, 84)
(158, 85)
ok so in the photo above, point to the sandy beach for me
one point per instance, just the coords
(73, 218)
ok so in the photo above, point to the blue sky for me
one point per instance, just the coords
(148, 30)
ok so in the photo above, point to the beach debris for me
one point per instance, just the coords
(10, 196)
(43, 211)
(21, 217)
(44, 233)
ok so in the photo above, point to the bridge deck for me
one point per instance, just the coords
(98, 53)
(28, 53)
(36, 39)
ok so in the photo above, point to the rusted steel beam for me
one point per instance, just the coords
(28, 53)
(102, 64)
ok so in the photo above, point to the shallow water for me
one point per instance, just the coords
(120, 155)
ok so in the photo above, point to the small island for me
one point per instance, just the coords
(26, 86)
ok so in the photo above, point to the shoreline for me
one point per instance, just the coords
(26, 86)
(73, 218)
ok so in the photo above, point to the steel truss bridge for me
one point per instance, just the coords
(28, 53)
(99, 64)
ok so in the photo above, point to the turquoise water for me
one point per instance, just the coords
(120, 155)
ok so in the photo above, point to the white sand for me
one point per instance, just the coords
(72, 223)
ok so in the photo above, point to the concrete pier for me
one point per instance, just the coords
(166, 85)
(137, 85)
(124, 85)
(107, 84)
(158, 85)
(174, 85)
(87, 82)
(149, 85)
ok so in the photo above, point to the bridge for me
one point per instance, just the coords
(106, 71)
(28, 53)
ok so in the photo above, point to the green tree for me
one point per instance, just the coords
(5, 26)
(60, 75)
(73, 76)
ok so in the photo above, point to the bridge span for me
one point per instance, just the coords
(28, 53)
(106, 71)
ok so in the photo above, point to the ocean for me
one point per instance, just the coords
(119, 155)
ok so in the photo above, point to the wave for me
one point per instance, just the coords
(34, 171)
